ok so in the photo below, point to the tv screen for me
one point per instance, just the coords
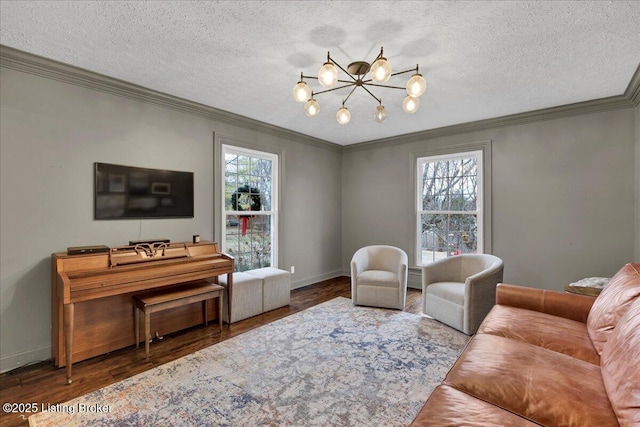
(125, 192)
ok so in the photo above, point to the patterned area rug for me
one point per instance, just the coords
(331, 365)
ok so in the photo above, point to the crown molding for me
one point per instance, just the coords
(633, 90)
(43, 67)
(630, 99)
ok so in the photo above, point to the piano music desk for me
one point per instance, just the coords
(91, 296)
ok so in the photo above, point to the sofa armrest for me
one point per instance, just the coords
(570, 306)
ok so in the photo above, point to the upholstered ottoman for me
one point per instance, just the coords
(246, 297)
(276, 287)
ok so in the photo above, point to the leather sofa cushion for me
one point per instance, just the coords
(621, 367)
(613, 303)
(378, 278)
(544, 386)
(450, 407)
(561, 304)
(543, 330)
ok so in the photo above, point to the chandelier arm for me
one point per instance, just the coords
(393, 74)
(341, 81)
(345, 71)
(387, 86)
(352, 90)
(405, 71)
(379, 55)
(374, 97)
(334, 88)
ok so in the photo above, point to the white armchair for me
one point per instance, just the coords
(379, 277)
(460, 290)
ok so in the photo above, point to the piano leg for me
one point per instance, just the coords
(68, 313)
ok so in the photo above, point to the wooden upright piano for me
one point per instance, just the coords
(92, 312)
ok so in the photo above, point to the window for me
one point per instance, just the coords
(449, 206)
(250, 190)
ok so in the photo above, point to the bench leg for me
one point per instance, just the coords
(206, 313)
(220, 312)
(147, 332)
(136, 318)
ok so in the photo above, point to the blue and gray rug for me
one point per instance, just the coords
(331, 365)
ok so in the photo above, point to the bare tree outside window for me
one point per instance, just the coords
(449, 206)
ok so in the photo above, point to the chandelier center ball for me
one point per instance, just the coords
(358, 68)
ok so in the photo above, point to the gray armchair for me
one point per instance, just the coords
(459, 291)
(379, 277)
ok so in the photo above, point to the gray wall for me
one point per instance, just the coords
(51, 133)
(563, 196)
(565, 192)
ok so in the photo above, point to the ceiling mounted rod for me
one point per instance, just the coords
(379, 72)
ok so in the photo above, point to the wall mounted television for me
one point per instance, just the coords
(126, 192)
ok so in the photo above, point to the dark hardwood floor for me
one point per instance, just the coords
(44, 383)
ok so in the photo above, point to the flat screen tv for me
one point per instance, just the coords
(125, 192)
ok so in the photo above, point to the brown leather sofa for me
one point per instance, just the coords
(548, 358)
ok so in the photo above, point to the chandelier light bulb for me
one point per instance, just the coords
(410, 104)
(328, 74)
(301, 91)
(380, 70)
(416, 85)
(311, 108)
(380, 114)
(343, 116)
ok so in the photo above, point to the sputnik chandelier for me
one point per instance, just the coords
(379, 72)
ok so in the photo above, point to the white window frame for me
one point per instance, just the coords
(275, 189)
(480, 198)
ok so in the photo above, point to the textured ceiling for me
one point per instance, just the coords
(480, 59)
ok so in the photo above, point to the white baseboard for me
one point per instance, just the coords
(14, 361)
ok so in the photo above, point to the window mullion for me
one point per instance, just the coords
(249, 213)
(448, 212)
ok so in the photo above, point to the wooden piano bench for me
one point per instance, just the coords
(152, 302)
